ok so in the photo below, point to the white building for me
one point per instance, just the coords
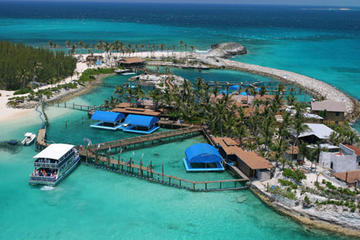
(346, 159)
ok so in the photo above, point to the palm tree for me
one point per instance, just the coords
(262, 91)
(68, 44)
(51, 44)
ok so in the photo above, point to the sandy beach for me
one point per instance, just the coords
(204, 60)
(8, 113)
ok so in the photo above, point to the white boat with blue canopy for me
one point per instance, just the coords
(53, 164)
(107, 120)
(203, 157)
(140, 124)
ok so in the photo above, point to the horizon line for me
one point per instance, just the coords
(178, 3)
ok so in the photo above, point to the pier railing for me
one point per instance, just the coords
(147, 173)
(124, 143)
(80, 107)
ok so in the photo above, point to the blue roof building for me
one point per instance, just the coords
(234, 88)
(107, 120)
(203, 157)
(140, 124)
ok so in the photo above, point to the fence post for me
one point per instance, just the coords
(206, 186)
(119, 161)
(141, 168)
(151, 170)
(162, 172)
(87, 154)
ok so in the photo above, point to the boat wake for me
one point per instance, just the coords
(47, 188)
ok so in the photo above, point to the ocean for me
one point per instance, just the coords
(95, 204)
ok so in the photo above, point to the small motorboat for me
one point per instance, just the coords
(12, 142)
(128, 73)
(29, 139)
(122, 71)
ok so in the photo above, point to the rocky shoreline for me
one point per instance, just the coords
(320, 220)
(216, 58)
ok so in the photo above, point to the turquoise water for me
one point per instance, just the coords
(92, 203)
(96, 204)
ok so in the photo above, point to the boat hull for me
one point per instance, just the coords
(50, 181)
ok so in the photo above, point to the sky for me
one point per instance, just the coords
(270, 2)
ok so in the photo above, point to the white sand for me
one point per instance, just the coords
(312, 84)
(8, 114)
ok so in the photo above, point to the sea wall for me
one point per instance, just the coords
(313, 85)
(338, 224)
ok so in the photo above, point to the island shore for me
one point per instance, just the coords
(207, 60)
(210, 60)
(302, 217)
(8, 113)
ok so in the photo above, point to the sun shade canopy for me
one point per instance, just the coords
(141, 120)
(109, 117)
(202, 153)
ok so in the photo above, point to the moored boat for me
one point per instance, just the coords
(122, 71)
(29, 138)
(53, 164)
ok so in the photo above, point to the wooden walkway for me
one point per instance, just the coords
(80, 107)
(141, 141)
(94, 155)
(147, 173)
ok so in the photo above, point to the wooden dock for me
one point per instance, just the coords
(138, 111)
(146, 140)
(99, 156)
(147, 173)
(80, 107)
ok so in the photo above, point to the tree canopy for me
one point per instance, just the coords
(20, 65)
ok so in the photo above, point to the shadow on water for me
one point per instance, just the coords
(13, 149)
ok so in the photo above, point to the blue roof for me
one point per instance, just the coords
(243, 94)
(202, 153)
(109, 117)
(234, 87)
(141, 120)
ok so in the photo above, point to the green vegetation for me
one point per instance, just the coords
(23, 91)
(343, 134)
(288, 183)
(307, 200)
(88, 75)
(287, 193)
(295, 174)
(22, 65)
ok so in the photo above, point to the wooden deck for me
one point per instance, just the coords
(237, 172)
(41, 139)
(147, 173)
(138, 111)
(141, 141)
(95, 155)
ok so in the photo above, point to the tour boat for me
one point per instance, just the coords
(29, 139)
(122, 71)
(53, 164)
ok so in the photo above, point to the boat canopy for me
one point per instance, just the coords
(141, 120)
(54, 151)
(202, 153)
(109, 117)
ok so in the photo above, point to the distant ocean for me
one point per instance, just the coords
(96, 204)
(320, 42)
